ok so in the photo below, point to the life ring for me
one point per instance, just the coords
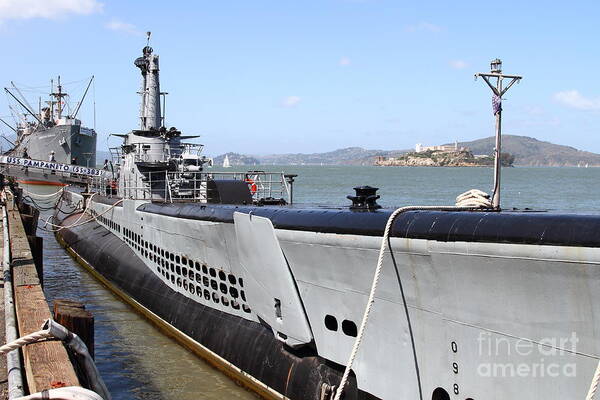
(252, 185)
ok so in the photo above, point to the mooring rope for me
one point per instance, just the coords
(64, 393)
(76, 223)
(52, 330)
(468, 201)
(25, 340)
(594, 384)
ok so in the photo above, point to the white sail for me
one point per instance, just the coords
(226, 162)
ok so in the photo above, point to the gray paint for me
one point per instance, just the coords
(456, 292)
(269, 280)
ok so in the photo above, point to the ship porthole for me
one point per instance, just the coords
(440, 394)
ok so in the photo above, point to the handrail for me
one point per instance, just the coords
(175, 186)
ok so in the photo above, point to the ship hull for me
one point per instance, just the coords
(470, 305)
(71, 144)
(244, 350)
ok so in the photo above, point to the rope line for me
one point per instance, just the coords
(594, 384)
(468, 201)
(25, 340)
(76, 223)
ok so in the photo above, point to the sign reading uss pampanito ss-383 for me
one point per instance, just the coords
(52, 166)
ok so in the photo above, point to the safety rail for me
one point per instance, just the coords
(164, 186)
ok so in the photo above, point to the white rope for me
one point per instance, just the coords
(594, 384)
(25, 340)
(474, 198)
(64, 393)
(61, 227)
(53, 330)
(378, 270)
(76, 223)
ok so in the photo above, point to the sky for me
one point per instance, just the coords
(262, 77)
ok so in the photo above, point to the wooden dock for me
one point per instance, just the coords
(45, 365)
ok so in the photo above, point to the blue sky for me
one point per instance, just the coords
(260, 77)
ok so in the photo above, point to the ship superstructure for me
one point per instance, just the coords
(52, 134)
(471, 305)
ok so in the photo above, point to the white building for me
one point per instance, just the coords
(419, 148)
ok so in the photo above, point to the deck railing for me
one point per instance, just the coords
(163, 186)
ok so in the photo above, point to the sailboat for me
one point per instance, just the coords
(226, 162)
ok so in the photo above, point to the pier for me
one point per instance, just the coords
(44, 364)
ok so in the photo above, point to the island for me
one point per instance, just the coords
(443, 156)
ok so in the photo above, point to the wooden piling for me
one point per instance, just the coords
(72, 315)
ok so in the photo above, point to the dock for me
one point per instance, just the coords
(47, 364)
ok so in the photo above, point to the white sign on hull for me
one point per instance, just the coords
(53, 166)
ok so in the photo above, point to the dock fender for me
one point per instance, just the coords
(270, 286)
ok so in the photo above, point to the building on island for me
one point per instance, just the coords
(447, 148)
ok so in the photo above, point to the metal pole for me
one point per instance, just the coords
(13, 358)
(498, 91)
(24, 106)
(497, 163)
(82, 98)
(6, 123)
(498, 152)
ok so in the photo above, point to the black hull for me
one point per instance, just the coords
(247, 345)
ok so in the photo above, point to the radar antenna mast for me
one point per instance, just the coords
(150, 110)
(59, 95)
(498, 91)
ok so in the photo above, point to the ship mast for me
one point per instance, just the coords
(150, 114)
(58, 96)
(498, 91)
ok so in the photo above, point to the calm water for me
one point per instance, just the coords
(539, 188)
(138, 362)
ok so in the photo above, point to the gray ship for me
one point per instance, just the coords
(464, 303)
(51, 134)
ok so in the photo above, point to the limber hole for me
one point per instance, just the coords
(349, 328)
(331, 323)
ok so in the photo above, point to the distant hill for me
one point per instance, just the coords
(527, 151)
(532, 152)
(346, 156)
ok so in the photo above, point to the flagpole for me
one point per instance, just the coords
(498, 92)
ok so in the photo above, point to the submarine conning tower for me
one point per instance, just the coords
(150, 115)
